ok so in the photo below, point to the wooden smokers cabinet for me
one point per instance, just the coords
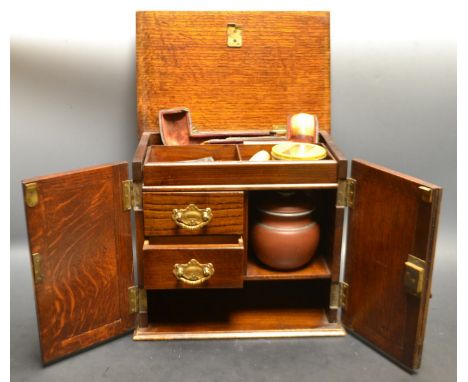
(196, 275)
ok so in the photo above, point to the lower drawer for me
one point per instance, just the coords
(192, 265)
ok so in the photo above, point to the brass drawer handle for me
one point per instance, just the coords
(193, 272)
(192, 217)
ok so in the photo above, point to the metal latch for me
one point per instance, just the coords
(234, 35)
(346, 193)
(339, 295)
(414, 275)
(426, 194)
(131, 196)
(37, 267)
(31, 195)
(137, 300)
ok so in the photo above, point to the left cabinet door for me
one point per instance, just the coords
(81, 254)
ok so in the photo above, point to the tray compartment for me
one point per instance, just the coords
(164, 167)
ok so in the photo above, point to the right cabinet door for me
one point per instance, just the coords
(391, 239)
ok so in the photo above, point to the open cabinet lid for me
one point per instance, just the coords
(81, 252)
(391, 239)
(233, 70)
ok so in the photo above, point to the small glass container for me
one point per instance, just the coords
(303, 127)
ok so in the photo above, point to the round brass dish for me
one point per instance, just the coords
(298, 151)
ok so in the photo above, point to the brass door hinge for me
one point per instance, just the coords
(415, 269)
(346, 193)
(131, 196)
(37, 267)
(339, 295)
(137, 300)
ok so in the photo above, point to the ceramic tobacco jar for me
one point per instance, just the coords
(284, 233)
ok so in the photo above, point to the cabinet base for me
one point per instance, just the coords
(153, 333)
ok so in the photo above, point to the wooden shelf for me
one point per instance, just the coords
(259, 309)
(316, 269)
(272, 323)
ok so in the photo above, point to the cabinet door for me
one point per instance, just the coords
(81, 253)
(394, 217)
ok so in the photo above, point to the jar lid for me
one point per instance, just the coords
(298, 151)
(290, 204)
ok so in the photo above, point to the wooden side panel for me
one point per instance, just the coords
(146, 140)
(83, 238)
(282, 68)
(390, 220)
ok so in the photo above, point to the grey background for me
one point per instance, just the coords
(73, 105)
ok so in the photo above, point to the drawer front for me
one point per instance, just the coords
(183, 266)
(193, 213)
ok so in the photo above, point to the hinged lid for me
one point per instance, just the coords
(233, 70)
(81, 252)
(390, 251)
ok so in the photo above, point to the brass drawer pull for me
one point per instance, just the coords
(193, 272)
(192, 217)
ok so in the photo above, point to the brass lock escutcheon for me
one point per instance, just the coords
(414, 275)
(234, 35)
(193, 272)
(192, 217)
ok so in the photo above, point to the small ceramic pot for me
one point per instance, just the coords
(285, 235)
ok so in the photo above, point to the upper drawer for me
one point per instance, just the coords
(193, 213)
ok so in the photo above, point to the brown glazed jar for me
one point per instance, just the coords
(284, 234)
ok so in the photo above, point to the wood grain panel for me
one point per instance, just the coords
(389, 220)
(159, 261)
(84, 240)
(227, 209)
(282, 68)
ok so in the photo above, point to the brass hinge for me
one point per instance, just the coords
(37, 267)
(346, 193)
(131, 196)
(339, 295)
(415, 269)
(137, 300)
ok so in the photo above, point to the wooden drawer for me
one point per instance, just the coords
(224, 217)
(225, 256)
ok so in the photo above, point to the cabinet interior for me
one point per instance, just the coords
(296, 300)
